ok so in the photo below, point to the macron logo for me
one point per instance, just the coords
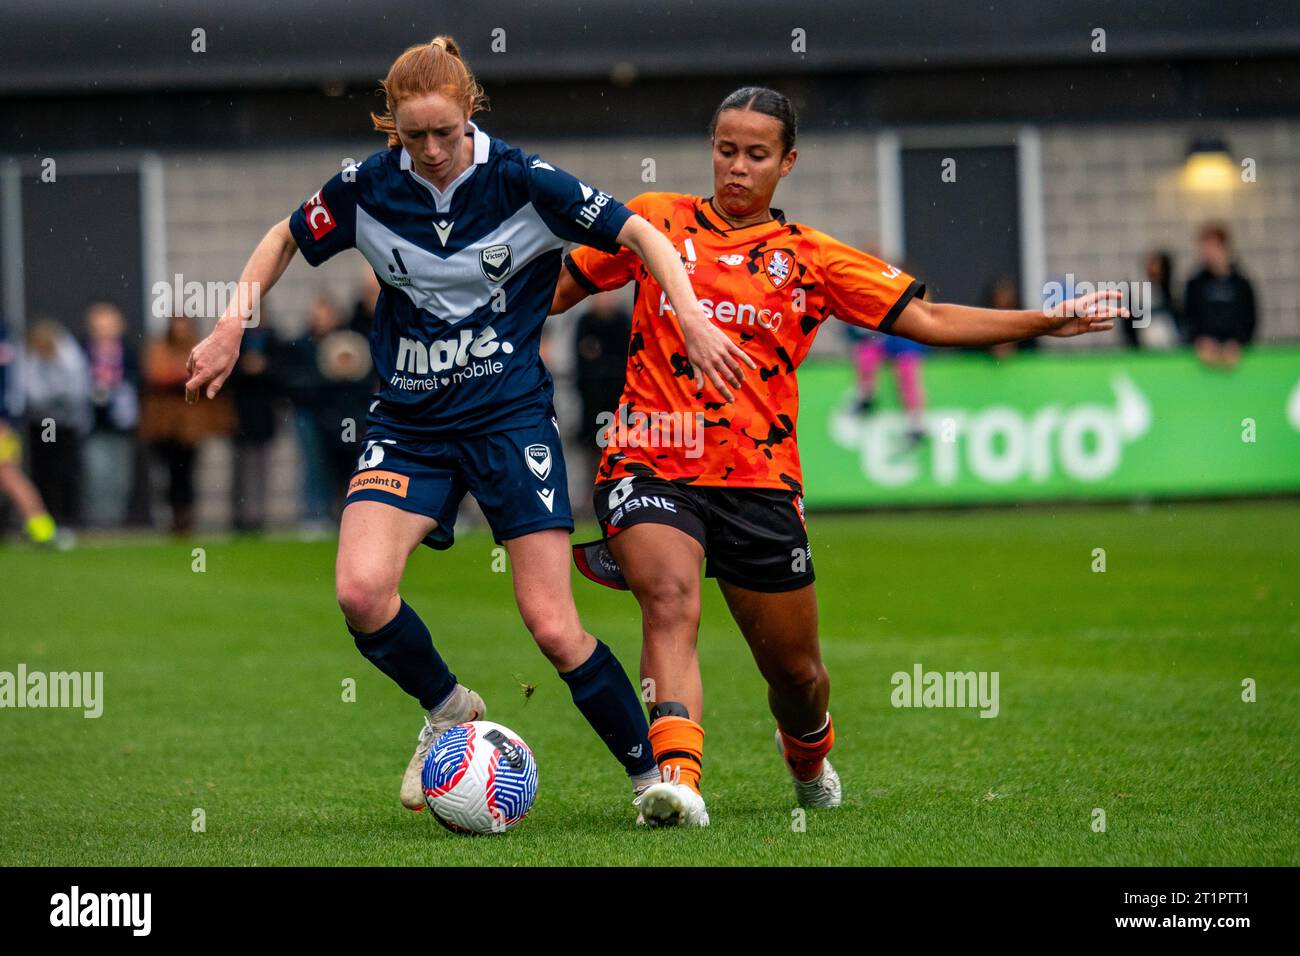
(587, 191)
(103, 909)
(538, 164)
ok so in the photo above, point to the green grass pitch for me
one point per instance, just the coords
(1122, 690)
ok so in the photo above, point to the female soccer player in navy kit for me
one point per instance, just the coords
(466, 234)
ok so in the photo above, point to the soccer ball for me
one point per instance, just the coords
(480, 777)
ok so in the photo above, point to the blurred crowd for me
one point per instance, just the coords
(1214, 312)
(1215, 315)
(108, 439)
(95, 431)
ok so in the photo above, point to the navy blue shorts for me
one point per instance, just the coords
(517, 477)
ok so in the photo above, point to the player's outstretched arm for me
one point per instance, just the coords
(212, 360)
(947, 324)
(708, 348)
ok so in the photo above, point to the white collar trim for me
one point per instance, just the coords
(442, 197)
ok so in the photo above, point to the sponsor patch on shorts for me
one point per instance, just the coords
(389, 481)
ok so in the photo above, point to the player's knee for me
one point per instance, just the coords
(799, 677)
(670, 598)
(365, 599)
(558, 635)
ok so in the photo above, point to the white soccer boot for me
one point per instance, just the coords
(671, 805)
(639, 786)
(819, 793)
(462, 706)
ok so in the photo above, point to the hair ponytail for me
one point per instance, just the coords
(433, 67)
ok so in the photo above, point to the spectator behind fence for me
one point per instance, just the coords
(56, 389)
(254, 386)
(173, 429)
(1161, 324)
(303, 381)
(115, 400)
(870, 351)
(328, 378)
(1219, 307)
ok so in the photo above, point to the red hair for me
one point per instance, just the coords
(433, 67)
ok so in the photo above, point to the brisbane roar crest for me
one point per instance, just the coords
(779, 264)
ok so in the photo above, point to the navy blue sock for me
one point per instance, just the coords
(404, 651)
(606, 697)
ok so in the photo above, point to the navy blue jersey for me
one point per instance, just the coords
(468, 274)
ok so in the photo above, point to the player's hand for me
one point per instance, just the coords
(1094, 312)
(211, 362)
(714, 356)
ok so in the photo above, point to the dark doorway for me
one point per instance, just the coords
(961, 236)
(82, 243)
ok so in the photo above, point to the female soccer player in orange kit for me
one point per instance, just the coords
(689, 478)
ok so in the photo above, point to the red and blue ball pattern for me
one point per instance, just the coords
(480, 777)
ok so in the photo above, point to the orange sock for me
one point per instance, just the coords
(805, 758)
(678, 745)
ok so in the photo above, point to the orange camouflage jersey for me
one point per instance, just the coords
(770, 287)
